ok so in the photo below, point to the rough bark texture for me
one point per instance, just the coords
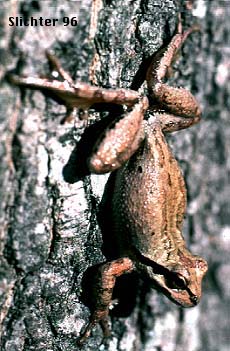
(48, 226)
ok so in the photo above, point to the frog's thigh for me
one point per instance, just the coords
(172, 123)
(120, 141)
(177, 101)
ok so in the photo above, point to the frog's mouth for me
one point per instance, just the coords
(175, 288)
(172, 284)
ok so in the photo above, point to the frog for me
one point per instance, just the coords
(148, 202)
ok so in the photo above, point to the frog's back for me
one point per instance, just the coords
(149, 200)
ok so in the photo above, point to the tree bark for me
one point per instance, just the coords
(48, 224)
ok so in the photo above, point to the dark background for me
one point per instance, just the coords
(48, 227)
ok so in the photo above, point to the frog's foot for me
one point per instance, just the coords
(107, 274)
(179, 107)
(81, 95)
(99, 317)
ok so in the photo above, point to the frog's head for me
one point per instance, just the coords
(180, 282)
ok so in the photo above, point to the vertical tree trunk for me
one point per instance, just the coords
(48, 225)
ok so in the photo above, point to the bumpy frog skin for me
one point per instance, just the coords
(149, 197)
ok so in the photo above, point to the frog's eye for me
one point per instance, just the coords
(178, 282)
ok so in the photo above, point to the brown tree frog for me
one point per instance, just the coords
(149, 197)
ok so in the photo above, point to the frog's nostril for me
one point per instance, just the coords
(140, 169)
(194, 299)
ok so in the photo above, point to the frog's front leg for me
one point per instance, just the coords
(107, 275)
(180, 108)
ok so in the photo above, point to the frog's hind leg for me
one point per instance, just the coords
(163, 59)
(177, 101)
(172, 123)
(58, 67)
(120, 141)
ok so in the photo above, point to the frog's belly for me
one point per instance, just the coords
(149, 201)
